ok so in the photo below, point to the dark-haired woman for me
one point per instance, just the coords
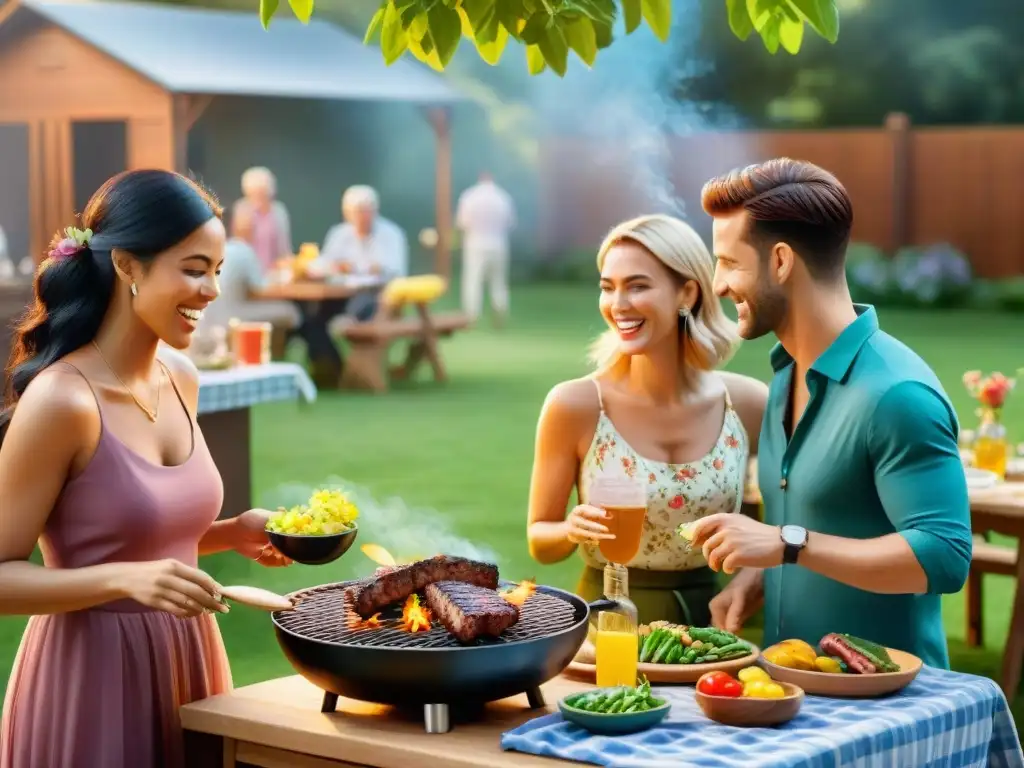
(103, 463)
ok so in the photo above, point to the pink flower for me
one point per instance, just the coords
(65, 248)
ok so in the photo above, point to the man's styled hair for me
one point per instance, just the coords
(789, 201)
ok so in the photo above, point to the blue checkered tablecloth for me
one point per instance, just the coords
(942, 719)
(249, 385)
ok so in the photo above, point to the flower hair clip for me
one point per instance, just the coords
(75, 241)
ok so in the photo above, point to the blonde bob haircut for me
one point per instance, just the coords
(707, 336)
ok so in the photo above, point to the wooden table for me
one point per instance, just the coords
(278, 723)
(318, 302)
(308, 290)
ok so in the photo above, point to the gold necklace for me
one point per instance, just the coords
(151, 413)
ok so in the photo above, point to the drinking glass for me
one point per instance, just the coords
(625, 502)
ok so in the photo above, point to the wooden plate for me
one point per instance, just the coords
(583, 667)
(849, 685)
(752, 712)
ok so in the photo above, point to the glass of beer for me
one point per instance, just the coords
(624, 500)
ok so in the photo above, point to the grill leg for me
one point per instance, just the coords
(436, 718)
(535, 698)
(330, 703)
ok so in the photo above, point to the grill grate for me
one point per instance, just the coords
(325, 614)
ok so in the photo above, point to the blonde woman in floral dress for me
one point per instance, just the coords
(657, 410)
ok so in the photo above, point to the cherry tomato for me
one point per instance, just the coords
(719, 684)
(731, 688)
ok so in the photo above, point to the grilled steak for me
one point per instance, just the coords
(469, 611)
(397, 583)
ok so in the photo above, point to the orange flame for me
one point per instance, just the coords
(415, 617)
(521, 593)
(378, 554)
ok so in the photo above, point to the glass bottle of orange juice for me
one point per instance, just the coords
(615, 644)
(991, 445)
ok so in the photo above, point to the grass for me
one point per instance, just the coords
(449, 465)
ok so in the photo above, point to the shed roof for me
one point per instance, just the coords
(214, 52)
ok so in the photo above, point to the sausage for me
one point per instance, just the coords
(834, 645)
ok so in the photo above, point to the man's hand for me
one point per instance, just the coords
(740, 600)
(734, 541)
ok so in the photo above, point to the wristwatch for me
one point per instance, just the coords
(794, 537)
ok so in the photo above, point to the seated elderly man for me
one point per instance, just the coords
(271, 235)
(366, 243)
(241, 276)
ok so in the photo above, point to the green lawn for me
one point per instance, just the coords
(452, 463)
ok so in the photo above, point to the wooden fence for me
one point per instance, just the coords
(910, 186)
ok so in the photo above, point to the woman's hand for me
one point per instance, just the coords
(250, 539)
(169, 585)
(585, 526)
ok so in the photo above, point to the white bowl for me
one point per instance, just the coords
(978, 479)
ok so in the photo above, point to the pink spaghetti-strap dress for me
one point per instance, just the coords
(100, 688)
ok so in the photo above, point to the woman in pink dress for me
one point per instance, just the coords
(102, 462)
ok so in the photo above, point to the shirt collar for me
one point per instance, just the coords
(835, 361)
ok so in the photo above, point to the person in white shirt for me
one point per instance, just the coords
(241, 275)
(365, 244)
(486, 215)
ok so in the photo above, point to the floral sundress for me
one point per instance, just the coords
(676, 493)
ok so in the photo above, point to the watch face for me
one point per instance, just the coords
(794, 535)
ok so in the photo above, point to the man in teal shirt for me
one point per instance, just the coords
(867, 519)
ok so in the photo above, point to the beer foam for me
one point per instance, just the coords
(618, 491)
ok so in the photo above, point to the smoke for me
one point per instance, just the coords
(631, 105)
(406, 532)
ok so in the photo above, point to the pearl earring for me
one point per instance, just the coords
(684, 311)
(135, 290)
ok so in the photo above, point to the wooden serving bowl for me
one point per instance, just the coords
(847, 685)
(743, 711)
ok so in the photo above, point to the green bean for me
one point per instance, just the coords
(651, 644)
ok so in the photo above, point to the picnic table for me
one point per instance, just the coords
(318, 301)
(368, 365)
(225, 401)
(942, 718)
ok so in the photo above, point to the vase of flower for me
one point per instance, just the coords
(991, 442)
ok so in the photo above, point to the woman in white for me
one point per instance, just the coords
(657, 411)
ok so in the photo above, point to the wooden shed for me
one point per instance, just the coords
(88, 89)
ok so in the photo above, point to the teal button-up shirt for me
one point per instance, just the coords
(875, 452)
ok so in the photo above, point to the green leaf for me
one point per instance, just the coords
(823, 15)
(445, 31)
(393, 40)
(509, 13)
(267, 10)
(303, 9)
(770, 34)
(791, 34)
(482, 18)
(536, 28)
(604, 33)
(555, 48)
(582, 39)
(423, 49)
(658, 14)
(535, 60)
(632, 14)
(760, 12)
(373, 31)
(491, 51)
(739, 18)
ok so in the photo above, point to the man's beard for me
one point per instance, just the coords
(765, 311)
